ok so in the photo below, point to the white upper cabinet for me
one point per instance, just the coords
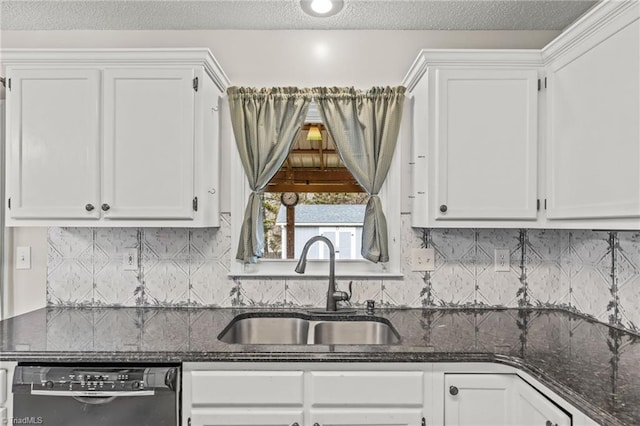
(485, 143)
(475, 138)
(148, 143)
(593, 128)
(53, 143)
(124, 137)
(544, 138)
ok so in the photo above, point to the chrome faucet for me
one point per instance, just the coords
(333, 295)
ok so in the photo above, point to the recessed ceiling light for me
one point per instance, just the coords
(321, 8)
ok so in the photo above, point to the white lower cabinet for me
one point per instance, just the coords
(369, 394)
(498, 399)
(246, 416)
(366, 417)
(309, 394)
(535, 409)
(479, 400)
(6, 397)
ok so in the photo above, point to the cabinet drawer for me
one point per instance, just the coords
(247, 387)
(368, 388)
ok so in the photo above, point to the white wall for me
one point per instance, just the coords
(257, 58)
(26, 289)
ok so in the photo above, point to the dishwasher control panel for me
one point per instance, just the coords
(62, 378)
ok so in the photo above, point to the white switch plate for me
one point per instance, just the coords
(501, 260)
(130, 260)
(423, 259)
(23, 257)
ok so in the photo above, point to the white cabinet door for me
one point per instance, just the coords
(247, 417)
(53, 143)
(366, 417)
(479, 400)
(375, 398)
(534, 409)
(486, 139)
(594, 149)
(148, 144)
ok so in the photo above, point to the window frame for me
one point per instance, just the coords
(4, 256)
(345, 268)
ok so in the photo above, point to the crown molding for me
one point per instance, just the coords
(119, 57)
(601, 16)
(494, 58)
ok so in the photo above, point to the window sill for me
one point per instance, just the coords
(316, 269)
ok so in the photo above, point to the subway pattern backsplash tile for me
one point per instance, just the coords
(596, 273)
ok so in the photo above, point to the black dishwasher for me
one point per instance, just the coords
(85, 395)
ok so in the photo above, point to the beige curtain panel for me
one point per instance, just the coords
(365, 127)
(265, 123)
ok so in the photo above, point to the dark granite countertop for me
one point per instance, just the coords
(593, 366)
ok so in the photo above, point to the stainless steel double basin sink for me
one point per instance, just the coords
(291, 328)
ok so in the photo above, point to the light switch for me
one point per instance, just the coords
(23, 257)
(130, 260)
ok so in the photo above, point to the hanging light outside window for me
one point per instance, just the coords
(314, 133)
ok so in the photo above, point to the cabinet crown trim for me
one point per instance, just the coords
(477, 58)
(118, 57)
(593, 21)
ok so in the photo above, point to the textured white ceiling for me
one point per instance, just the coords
(287, 14)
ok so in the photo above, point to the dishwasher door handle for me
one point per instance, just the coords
(93, 394)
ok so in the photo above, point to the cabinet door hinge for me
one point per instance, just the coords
(545, 203)
(545, 82)
(6, 82)
(9, 203)
(195, 204)
(539, 85)
(538, 205)
(195, 84)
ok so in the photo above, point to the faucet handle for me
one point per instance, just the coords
(343, 296)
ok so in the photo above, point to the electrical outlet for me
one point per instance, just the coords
(423, 259)
(130, 261)
(23, 257)
(501, 260)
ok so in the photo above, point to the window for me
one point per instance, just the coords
(330, 203)
(313, 194)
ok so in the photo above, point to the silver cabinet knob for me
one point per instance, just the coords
(105, 207)
(295, 424)
(443, 208)
(453, 390)
(89, 207)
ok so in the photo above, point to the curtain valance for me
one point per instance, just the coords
(265, 123)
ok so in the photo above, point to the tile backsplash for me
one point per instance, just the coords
(593, 272)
